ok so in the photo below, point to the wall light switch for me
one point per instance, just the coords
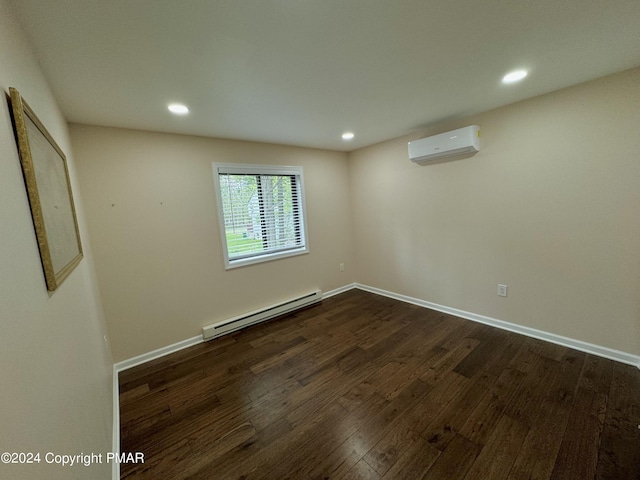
(502, 290)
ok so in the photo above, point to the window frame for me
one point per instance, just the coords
(258, 169)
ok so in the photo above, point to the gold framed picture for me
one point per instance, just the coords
(46, 176)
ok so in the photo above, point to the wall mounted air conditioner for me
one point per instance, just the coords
(457, 142)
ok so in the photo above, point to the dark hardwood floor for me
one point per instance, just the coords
(365, 387)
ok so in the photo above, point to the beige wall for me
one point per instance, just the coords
(151, 210)
(550, 206)
(56, 375)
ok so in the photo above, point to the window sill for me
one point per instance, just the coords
(268, 257)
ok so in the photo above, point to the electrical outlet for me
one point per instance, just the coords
(502, 290)
(342, 267)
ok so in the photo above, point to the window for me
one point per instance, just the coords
(261, 212)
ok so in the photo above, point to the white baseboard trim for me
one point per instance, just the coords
(160, 352)
(605, 352)
(339, 290)
(586, 347)
(115, 444)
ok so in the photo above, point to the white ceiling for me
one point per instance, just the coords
(301, 72)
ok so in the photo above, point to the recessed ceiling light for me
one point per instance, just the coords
(514, 76)
(347, 135)
(178, 108)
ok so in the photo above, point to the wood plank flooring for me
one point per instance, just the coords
(366, 387)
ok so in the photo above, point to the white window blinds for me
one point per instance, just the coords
(261, 212)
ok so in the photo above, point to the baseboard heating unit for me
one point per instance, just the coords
(236, 323)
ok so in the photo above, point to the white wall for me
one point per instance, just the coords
(152, 214)
(56, 375)
(550, 207)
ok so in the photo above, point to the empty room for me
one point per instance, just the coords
(315, 240)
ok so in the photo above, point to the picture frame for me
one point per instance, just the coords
(46, 177)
